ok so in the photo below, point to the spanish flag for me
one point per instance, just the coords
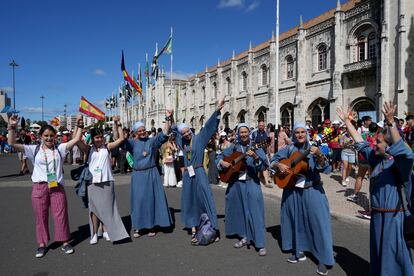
(89, 109)
(127, 77)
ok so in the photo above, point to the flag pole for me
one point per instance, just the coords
(132, 103)
(146, 88)
(156, 86)
(277, 119)
(171, 67)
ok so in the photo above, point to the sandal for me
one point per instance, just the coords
(151, 234)
(240, 243)
(136, 234)
(194, 238)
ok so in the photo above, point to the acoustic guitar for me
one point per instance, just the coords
(298, 164)
(238, 161)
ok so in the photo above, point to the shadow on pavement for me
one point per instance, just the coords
(80, 235)
(351, 263)
(275, 232)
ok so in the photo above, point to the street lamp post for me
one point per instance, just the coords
(42, 97)
(13, 64)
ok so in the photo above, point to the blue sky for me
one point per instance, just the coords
(72, 48)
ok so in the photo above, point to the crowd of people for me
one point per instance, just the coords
(194, 162)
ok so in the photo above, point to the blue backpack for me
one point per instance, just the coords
(206, 234)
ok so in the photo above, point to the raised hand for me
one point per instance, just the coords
(220, 105)
(344, 115)
(388, 109)
(169, 112)
(116, 119)
(79, 119)
(14, 120)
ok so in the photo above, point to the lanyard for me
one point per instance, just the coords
(54, 160)
(190, 151)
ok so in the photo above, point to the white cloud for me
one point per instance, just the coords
(246, 6)
(180, 75)
(231, 4)
(99, 72)
(253, 6)
(37, 110)
(7, 89)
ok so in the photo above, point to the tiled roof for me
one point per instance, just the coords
(306, 25)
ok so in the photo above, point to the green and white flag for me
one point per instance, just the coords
(130, 159)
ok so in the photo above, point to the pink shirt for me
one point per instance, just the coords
(282, 140)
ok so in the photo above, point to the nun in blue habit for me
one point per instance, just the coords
(244, 198)
(196, 196)
(391, 162)
(305, 218)
(149, 207)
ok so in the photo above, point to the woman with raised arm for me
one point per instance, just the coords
(391, 162)
(103, 211)
(244, 198)
(305, 219)
(196, 197)
(47, 178)
(149, 206)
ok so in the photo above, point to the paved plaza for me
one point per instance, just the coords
(167, 253)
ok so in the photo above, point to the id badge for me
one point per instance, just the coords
(243, 177)
(52, 180)
(97, 176)
(190, 170)
(300, 183)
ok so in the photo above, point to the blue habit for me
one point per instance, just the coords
(196, 196)
(389, 252)
(305, 218)
(149, 207)
(244, 199)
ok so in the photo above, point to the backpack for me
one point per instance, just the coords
(206, 234)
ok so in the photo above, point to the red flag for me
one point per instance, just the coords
(127, 77)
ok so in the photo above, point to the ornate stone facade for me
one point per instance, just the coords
(359, 54)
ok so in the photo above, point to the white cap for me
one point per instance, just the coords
(336, 122)
(380, 124)
(223, 133)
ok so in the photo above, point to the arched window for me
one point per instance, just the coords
(244, 81)
(264, 74)
(361, 48)
(215, 90)
(203, 90)
(372, 51)
(228, 82)
(194, 97)
(289, 67)
(322, 57)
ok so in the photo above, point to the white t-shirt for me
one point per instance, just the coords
(39, 164)
(100, 163)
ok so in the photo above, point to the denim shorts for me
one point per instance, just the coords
(350, 157)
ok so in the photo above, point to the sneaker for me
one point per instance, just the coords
(347, 179)
(352, 198)
(40, 252)
(94, 239)
(262, 252)
(293, 259)
(322, 270)
(240, 243)
(365, 214)
(68, 249)
(179, 184)
(344, 184)
(106, 236)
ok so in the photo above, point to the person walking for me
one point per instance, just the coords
(169, 150)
